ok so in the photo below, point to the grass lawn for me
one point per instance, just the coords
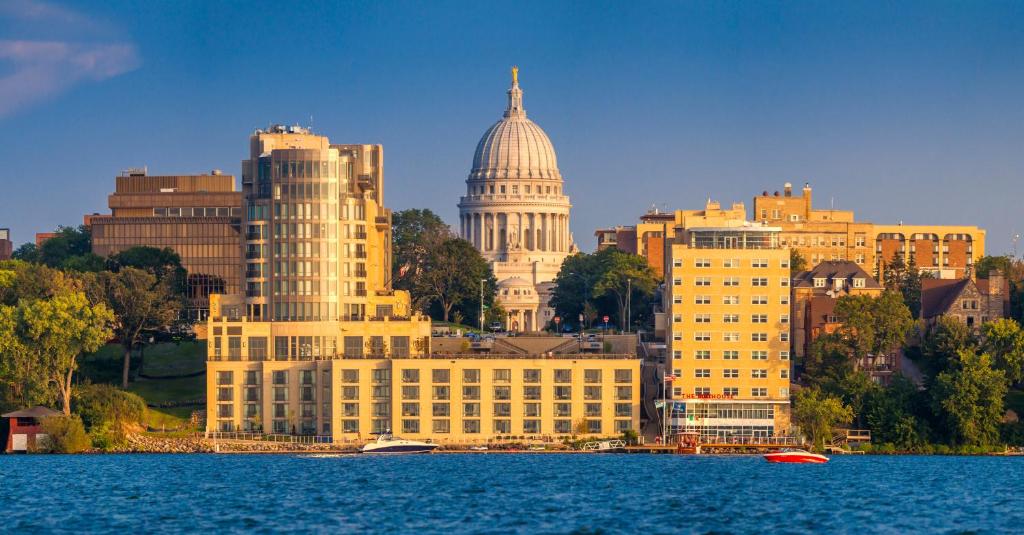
(158, 391)
(183, 358)
(161, 360)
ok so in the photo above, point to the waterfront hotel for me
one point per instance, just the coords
(319, 344)
(727, 307)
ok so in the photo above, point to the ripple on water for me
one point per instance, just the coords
(509, 494)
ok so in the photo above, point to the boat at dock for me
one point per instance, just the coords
(793, 455)
(388, 443)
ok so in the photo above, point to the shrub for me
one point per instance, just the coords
(64, 434)
(942, 449)
(107, 411)
(106, 404)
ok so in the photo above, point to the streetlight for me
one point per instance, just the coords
(629, 301)
(482, 306)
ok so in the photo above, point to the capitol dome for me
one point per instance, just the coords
(515, 147)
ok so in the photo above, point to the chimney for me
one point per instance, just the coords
(807, 200)
(788, 189)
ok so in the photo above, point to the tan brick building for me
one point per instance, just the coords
(821, 235)
(727, 299)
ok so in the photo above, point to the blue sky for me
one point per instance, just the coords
(902, 111)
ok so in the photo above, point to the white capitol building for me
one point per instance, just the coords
(516, 214)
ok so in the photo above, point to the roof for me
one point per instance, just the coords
(938, 295)
(35, 412)
(835, 269)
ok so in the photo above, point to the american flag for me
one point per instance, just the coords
(669, 377)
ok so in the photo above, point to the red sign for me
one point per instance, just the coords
(606, 319)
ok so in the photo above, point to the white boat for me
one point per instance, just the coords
(388, 443)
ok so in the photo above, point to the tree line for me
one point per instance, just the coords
(956, 404)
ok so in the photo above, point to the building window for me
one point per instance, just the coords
(470, 376)
(442, 426)
(623, 376)
(531, 426)
(591, 376)
(759, 374)
(759, 281)
(759, 392)
(759, 355)
(731, 355)
(758, 337)
(471, 426)
(502, 376)
(563, 376)
(471, 410)
(531, 376)
(471, 392)
(441, 376)
(731, 373)
(702, 373)
(702, 354)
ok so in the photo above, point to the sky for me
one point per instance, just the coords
(901, 111)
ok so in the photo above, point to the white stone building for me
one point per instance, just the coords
(516, 214)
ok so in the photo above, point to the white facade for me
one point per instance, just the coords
(515, 212)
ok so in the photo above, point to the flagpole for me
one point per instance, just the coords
(664, 406)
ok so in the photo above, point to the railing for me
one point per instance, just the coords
(752, 440)
(442, 356)
(261, 437)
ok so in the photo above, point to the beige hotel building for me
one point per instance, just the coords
(728, 326)
(319, 344)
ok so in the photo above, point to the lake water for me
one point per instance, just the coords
(509, 493)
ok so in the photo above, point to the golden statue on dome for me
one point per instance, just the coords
(515, 75)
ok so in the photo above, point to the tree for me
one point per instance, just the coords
(574, 284)
(873, 325)
(817, 413)
(56, 331)
(969, 400)
(139, 301)
(86, 263)
(911, 288)
(943, 343)
(28, 282)
(1003, 340)
(589, 313)
(23, 381)
(451, 275)
(415, 233)
(27, 252)
(894, 272)
(164, 263)
(68, 242)
(797, 262)
(892, 414)
(628, 277)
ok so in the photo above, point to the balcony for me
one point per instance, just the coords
(253, 274)
(252, 255)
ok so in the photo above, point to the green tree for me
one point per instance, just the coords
(911, 288)
(574, 284)
(892, 415)
(138, 300)
(969, 400)
(873, 325)
(942, 345)
(415, 233)
(28, 282)
(56, 331)
(628, 278)
(68, 242)
(589, 313)
(23, 380)
(27, 252)
(164, 263)
(797, 262)
(817, 413)
(86, 263)
(1003, 340)
(451, 277)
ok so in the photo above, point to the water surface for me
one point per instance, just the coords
(509, 493)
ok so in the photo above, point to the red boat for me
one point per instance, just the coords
(790, 455)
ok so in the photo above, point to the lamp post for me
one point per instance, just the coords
(482, 306)
(629, 301)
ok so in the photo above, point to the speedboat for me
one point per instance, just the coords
(792, 455)
(387, 443)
